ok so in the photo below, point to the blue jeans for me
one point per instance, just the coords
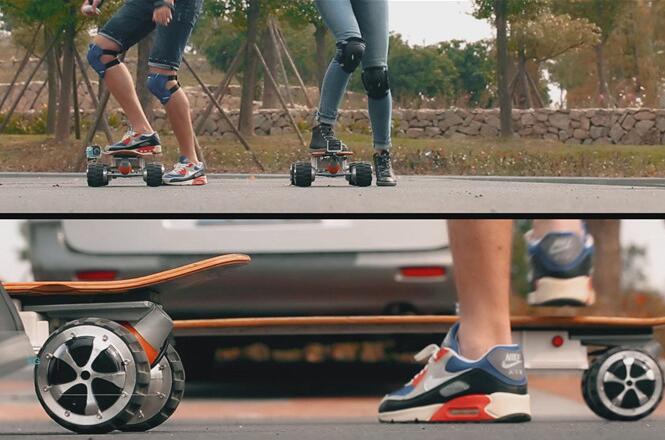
(133, 22)
(366, 19)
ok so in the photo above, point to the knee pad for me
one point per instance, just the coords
(157, 86)
(95, 54)
(375, 80)
(349, 53)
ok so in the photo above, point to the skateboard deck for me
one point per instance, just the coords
(401, 324)
(176, 279)
(130, 153)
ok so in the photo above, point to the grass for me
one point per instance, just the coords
(475, 157)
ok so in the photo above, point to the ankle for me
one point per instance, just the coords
(475, 343)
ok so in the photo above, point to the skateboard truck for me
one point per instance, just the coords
(331, 162)
(123, 163)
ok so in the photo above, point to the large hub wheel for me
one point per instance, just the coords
(92, 375)
(623, 384)
(167, 386)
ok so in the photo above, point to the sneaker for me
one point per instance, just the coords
(561, 268)
(452, 388)
(186, 173)
(141, 143)
(384, 169)
(323, 135)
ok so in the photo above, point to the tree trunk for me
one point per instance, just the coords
(603, 90)
(246, 117)
(142, 70)
(63, 118)
(501, 12)
(523, 92)
(321, 52)
(52, 80)
(607, 264)
(270, 55)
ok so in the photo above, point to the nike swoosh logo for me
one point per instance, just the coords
(433, 382)
(509, 365)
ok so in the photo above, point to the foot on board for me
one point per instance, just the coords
(185, 172)
(451, 388)
(561, 266)
(139, 142)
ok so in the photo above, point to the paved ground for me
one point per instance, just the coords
(556, 404)
(52, 193)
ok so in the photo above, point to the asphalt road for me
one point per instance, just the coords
(237, 194)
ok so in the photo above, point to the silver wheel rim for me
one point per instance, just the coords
(630, 383)
(159, 390)
(92, 397)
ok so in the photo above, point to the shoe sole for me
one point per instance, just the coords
(199, 181)
(479, 408)
(386, 184)
(556, 292)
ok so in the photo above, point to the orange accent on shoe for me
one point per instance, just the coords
(440, 354)
(469, 408)
(419, 377)
(199, 181)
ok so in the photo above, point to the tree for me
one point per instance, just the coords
(607, 265)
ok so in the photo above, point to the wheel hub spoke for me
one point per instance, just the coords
(98, 346)
(91, 406)
(58, 390)
(117, 378)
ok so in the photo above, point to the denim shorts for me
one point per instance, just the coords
(133, 22)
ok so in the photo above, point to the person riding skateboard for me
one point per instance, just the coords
(134, 21)
(361, 31)
(477, 374)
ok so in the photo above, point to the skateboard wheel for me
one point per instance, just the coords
(623, 384)
(303, 174)
(360, 174)
(92, 375)
(167, 386)
(153, 174)
(97, 175)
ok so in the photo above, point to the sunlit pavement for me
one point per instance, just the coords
(557, 406)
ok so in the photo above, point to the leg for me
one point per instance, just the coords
(481, 253)
(340, 19)
(373, 16)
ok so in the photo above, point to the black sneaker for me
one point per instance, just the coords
(383, 168)
(561, 268)
(323, 136)
(141, 143)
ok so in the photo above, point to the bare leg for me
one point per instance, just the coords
(120, 84)
(481, 253)
(180, 118)
(543, 227)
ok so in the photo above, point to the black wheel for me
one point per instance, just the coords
(153, 174)
(97, 175)
(167, 386)
(292, 173)
(360, 174)
(92, 375)
(303, 174)
(623, 384)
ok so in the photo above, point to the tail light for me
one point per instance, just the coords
(96, 275)
(422, 273)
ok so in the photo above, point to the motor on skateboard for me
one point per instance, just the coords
(104, 166)
(334, 161)
(105, 359)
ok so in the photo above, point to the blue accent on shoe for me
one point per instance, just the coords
(402, 392)
(537, 250)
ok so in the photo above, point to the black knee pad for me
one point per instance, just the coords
(375, 80)
(350, 53)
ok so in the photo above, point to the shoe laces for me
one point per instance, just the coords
(327, 131)
(383, 164)
(428, 353)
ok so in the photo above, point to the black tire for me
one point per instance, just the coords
(303, 174)
(171, 402)
(611, 374)
(361, 174)
(49, 368)
(292, 174)
(97, 175)
(153, 174)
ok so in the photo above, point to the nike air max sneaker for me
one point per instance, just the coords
(186, 173)
(452, 388)
(561, 268)
(142, 143)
